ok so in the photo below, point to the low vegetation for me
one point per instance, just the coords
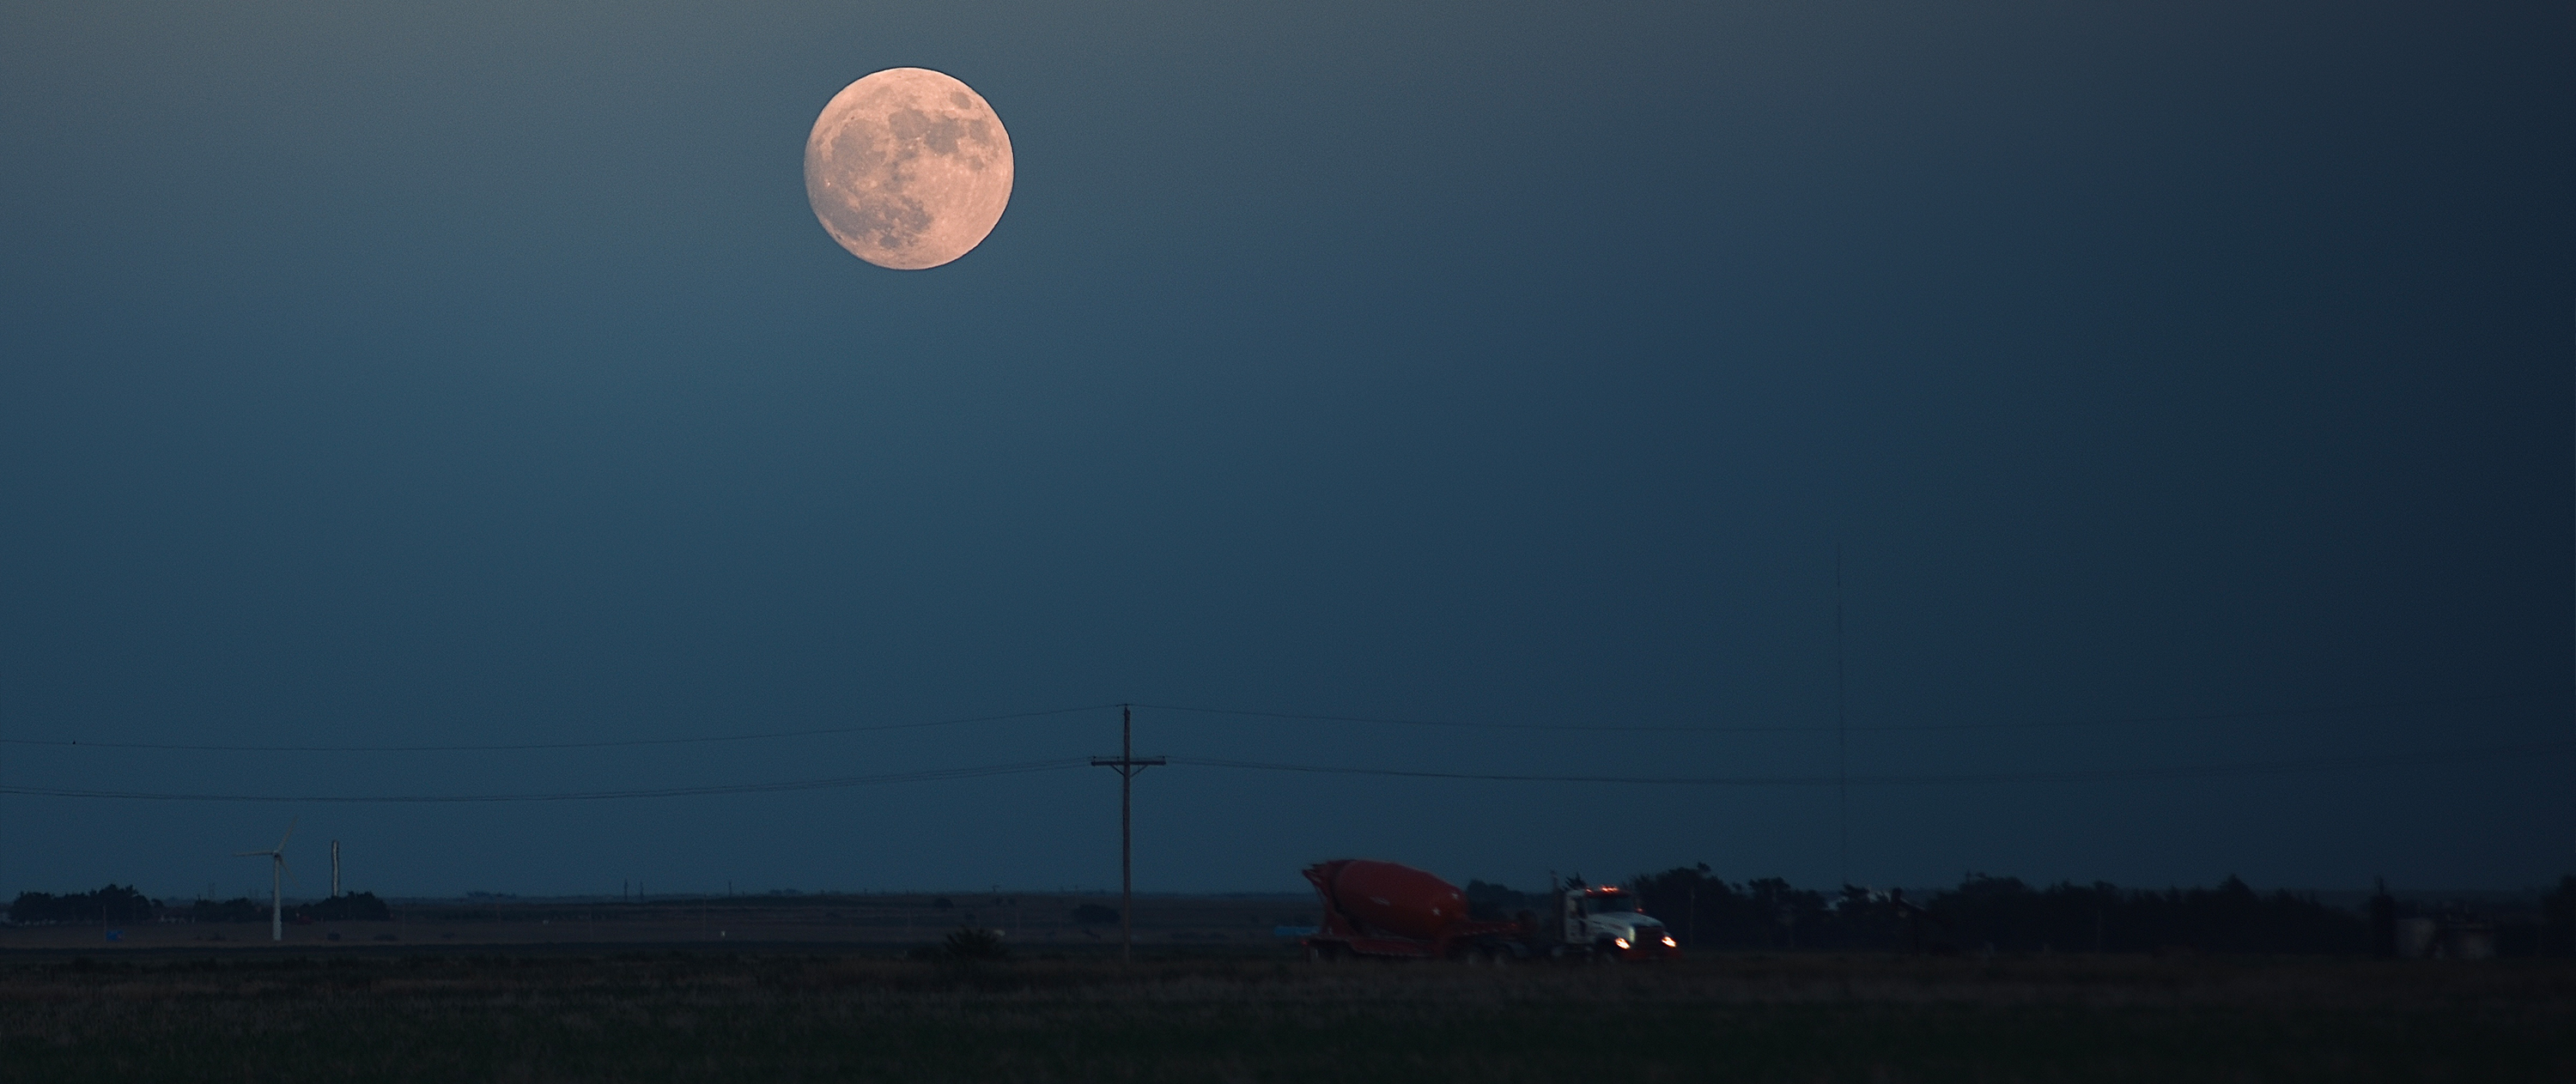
(1801, 1017)
(2006, 914)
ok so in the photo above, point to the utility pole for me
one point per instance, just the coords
(1842, 742)
(335, 869)
(1128, 764)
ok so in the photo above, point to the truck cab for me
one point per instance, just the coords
(1608, 922)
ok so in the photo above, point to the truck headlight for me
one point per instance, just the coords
(1622, 942)
(1670, 943)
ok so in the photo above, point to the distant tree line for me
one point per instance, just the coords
(353, 907)
(114, 903)
(121, 903)
(2558, 920)
(350, 907)
(236, 909)
(2005, 914)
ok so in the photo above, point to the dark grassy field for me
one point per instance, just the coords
(743, 1016)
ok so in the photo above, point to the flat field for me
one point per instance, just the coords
(845, 922)
(563, 1013)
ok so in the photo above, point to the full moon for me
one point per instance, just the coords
(908, 168)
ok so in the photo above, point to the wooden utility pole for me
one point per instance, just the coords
(1128, 764)
(1842, 734)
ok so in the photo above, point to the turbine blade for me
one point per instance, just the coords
(246, 854)
(290, 833)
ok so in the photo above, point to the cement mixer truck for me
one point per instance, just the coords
(1389, 911)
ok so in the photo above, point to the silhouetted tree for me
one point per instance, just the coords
(114, 903)
(2383, 921)
(2558, 919)
(353, 907)
(1494, 903)
(237, 909)
(969, 943)
(2004, 912)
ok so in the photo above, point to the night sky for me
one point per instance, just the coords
(2186, 389)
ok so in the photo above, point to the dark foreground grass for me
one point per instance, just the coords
(744, 1017)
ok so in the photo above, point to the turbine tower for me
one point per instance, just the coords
(276, 882)
(335, 869)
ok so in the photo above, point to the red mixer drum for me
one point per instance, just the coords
(1396, 899)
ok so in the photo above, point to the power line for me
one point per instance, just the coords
(549, 745)
(2260, 713)
(2327, 709)
(931, 775)
(2186, 771)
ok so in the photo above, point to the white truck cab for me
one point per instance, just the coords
(1609, 922)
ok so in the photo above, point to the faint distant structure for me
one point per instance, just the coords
(2469, 939)
(2452, 933)
(276, 882)
(335, 869)
(2462, 936)
(2417, 938)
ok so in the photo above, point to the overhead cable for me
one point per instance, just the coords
(2182, 771)
(834, 783)
(2329, 709)
(550, 745)
(1297, 716)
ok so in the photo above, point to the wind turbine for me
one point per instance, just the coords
(276, 882)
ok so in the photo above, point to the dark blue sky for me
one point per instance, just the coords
(467, 374)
